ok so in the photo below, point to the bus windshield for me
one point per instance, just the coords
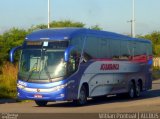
(37, 64)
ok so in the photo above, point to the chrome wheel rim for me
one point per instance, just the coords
(131, 92)
(82, 97)
(138, 91)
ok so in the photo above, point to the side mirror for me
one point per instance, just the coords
(12, 52)
(68, 52)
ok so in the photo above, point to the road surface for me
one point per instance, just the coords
(148, 102)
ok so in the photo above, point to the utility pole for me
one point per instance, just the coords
(48, 14)
(131, 27)
(133, 18)
(132, 21)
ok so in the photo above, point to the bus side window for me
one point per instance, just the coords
(71, 66)
(86, 57)
(73, 63)
(76, 57)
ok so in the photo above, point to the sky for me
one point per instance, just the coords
(110, 15)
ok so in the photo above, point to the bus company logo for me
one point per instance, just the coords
(38, 90)
(109, 67)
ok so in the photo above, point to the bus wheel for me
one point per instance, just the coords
(138, 90)
(82, 96)
(131, 92)
(41, 103)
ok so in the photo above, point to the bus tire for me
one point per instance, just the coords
(132, 90)
(82, 96)
(41, 103)
(138, 90)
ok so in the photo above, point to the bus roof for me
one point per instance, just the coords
(69, 33)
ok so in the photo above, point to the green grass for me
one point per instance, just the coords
(156, 75)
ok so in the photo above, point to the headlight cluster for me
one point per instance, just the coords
(20, 86)
(56, 88)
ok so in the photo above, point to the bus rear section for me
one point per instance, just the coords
(76, 64)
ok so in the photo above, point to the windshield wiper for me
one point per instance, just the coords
(47, 72)
(45, 68)
(33, 69)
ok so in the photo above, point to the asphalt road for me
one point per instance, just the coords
(148, 102)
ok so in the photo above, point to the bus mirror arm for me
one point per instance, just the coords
(12, 51)
(67, 53)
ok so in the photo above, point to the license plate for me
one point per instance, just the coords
(38, 96)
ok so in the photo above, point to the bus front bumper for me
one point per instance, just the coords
(57, 93)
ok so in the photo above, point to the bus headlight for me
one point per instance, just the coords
(58, 87)
(20, 86)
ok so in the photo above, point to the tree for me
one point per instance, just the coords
(66, 23)
(155, 38)
(1, 44)
(58, 24)
(12, 38)
(96, 27)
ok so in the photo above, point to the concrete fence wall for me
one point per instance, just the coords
(156, 61)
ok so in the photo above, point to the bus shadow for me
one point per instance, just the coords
(109, 100)
(4, 101)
